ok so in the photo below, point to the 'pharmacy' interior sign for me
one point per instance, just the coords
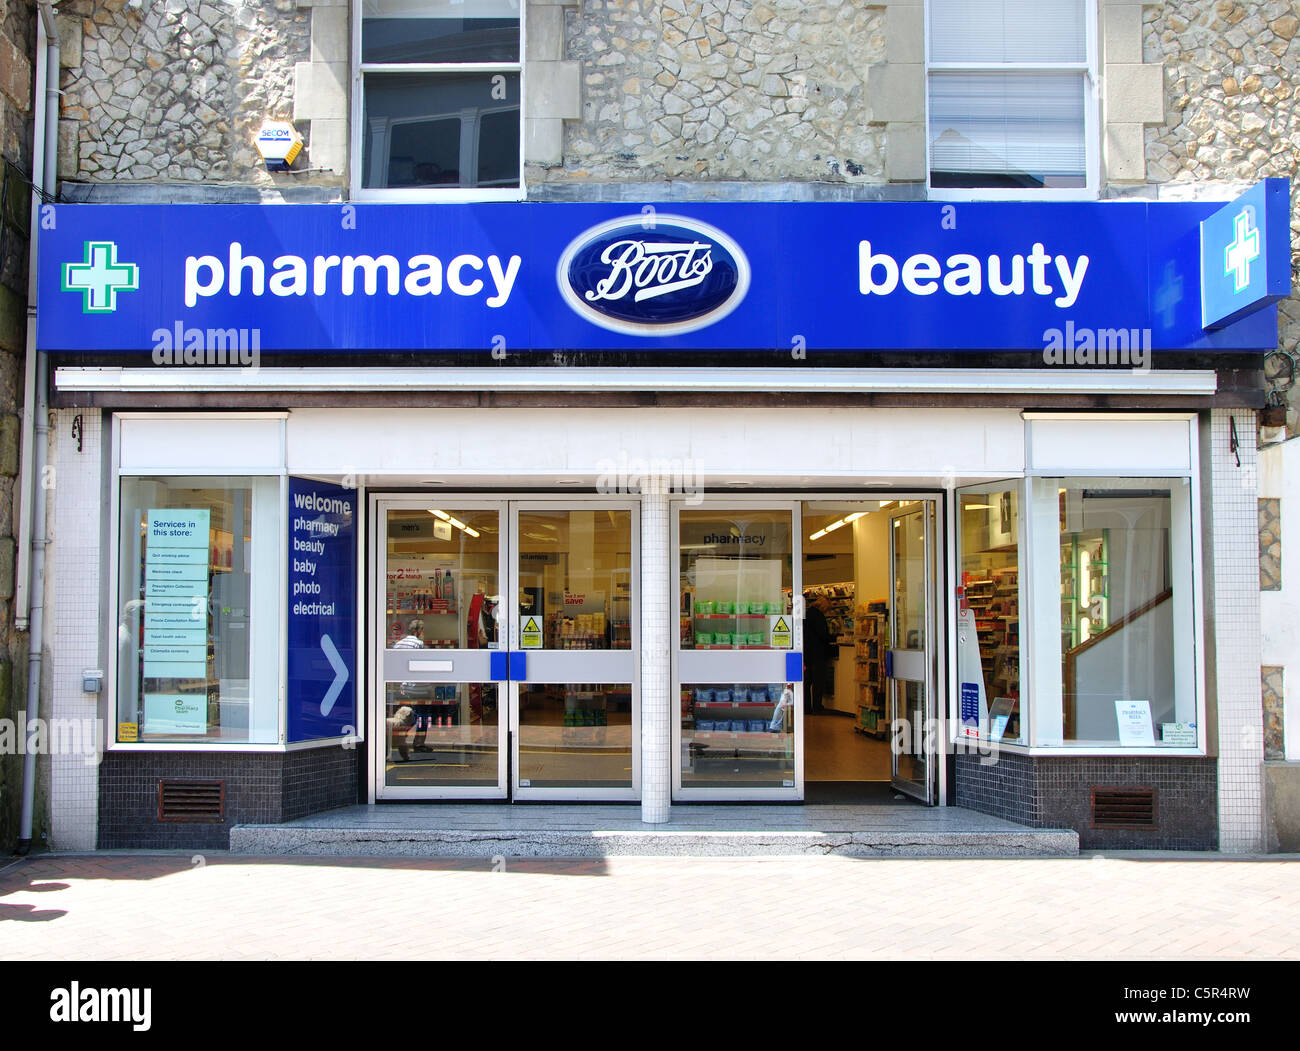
(978, 276)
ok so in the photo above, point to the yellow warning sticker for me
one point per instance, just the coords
(128, 732)
(530, 635)
(779, 630)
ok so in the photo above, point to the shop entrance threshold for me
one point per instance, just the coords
(900, 829)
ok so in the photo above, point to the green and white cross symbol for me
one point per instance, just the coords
(100, 278)
(1237, 256)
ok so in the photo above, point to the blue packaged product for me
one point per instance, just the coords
(757, 726)
(703, 725)
(739, 695)
(703, 696)
(722, 696)
(738, 726)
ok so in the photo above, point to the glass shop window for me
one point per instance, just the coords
(198, 624)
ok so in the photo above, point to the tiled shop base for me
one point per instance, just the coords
(902, 829)
(259, 787)
(1057, 793)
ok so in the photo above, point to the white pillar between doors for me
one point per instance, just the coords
(656, 667)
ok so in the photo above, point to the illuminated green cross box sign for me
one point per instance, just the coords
(100, 277)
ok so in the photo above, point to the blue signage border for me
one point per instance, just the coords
(187, 282)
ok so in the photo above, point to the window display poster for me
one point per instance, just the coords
(1181, 735)
(176, 595)
(1000, 713)
(970, 673)
(1134, 718)
(322, 610)
(175, 713)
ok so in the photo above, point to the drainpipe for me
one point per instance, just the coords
(29, 589)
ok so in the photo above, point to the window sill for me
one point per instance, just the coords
(940, 194)
(469, 195)
(983, 747)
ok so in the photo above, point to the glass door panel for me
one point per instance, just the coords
(739, 658)
(573, 668)
(441, 570)
(911, 693)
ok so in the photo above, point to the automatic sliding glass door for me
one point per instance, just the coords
(505, 617)
(439, 692)
(739, 658)
(573, 638)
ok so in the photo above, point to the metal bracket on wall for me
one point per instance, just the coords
(77, 432)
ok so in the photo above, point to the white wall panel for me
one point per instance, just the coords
(182, 442)
(1125, 446)
(776, 444)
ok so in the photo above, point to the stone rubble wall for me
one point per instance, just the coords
(175, 90)
(724, 89)
(1230, 112)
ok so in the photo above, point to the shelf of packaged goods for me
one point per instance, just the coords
(735, 704)
(735, 616)
(421, 612)
(727, 647)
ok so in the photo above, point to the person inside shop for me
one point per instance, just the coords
(816, 651)
(419, 695)
(785, 704)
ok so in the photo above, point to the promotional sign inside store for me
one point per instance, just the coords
(187, 281)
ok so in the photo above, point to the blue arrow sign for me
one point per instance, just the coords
(321, 692)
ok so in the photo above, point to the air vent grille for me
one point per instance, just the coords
(190, 800)
(1123, 808)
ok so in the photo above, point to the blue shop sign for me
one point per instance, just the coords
(181, 281)
(322, 686)
(1246, 254)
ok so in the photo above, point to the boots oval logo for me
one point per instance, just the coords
(658, 275)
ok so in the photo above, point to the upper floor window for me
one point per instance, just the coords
(438, 106)
(1011, 97)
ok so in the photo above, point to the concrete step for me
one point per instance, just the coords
(599, 831)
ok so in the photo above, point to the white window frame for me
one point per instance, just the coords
(1091, 121)
(451, 195)
(275, 637)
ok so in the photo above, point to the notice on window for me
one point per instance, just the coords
(1135, 728)
(176, 595)
(779, 631)
(176, 713)
(530, 632)
(1180, 735)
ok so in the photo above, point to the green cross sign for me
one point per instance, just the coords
(1243, 250)
(100, 277)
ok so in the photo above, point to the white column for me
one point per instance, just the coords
(658, 611)
(1234, 615)
(77, 527)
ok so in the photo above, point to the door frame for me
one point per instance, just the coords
(933, 733)
(380, 503)
(942, 627)
(523, 502)
(722, 502)
(507, 505)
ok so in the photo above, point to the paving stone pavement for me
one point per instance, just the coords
(1136, 905)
